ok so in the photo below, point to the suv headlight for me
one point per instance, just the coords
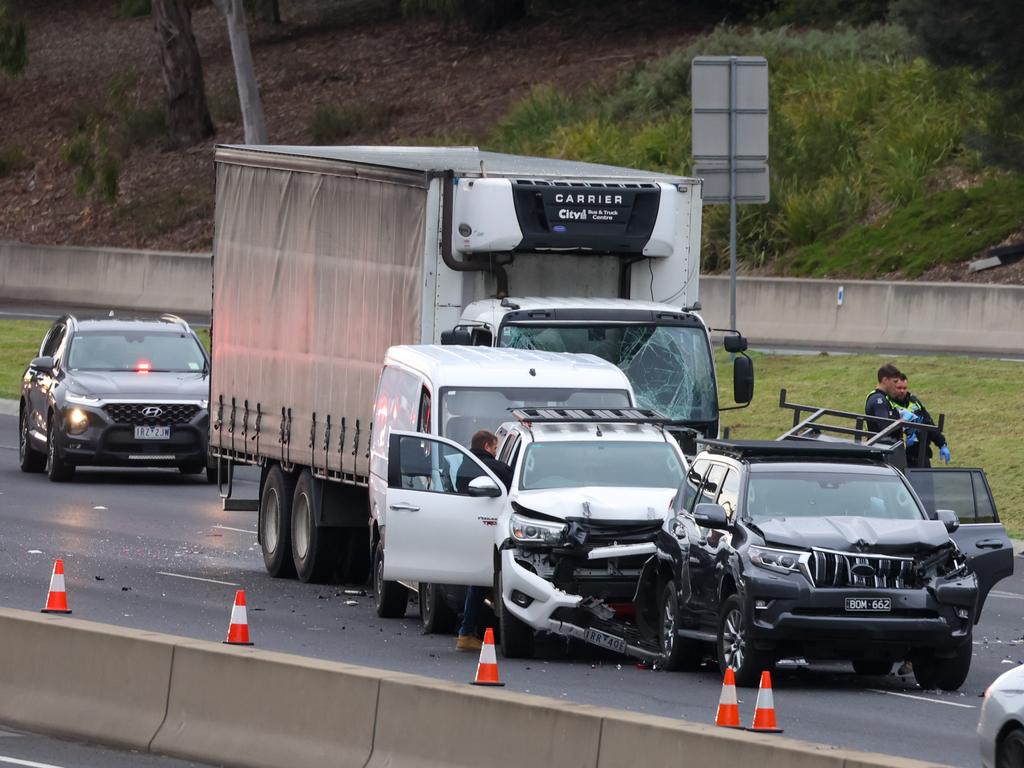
(528, 530)
(779, 560)
(71, 397)
(78, 421)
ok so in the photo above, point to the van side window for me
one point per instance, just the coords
(423, 424)
(396, 407)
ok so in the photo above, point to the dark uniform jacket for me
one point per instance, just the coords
(879, 405)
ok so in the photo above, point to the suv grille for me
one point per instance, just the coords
(170, 413)
(836, 569)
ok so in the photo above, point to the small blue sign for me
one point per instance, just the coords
(558, 228)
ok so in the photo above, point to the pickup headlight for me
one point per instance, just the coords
(528, 530)
(71, 397)
(780, 560)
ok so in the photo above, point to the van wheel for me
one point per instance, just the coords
(677, 653)
(315, 548)
(1010, 753)
(276, 523)
(391, 597)
(437, 616)
(516, 637)
(946, 674)
(57, 469)
(29, 459)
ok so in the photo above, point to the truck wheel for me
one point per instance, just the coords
(947, 674)
(315, 549)
(276, 523)
(677, 653)
(872, 667)
(1011, 750)
(437, 616)
(516, 637)
(57, 469)
(29, 459)
(734, 649)
(391, 597)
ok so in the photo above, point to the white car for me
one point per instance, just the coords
(1001, 726)
(565, 546)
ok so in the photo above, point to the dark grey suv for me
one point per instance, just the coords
(116, 393)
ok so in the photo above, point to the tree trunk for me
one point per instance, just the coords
(245, 72)
(188, 117)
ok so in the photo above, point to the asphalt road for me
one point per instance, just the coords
(32, 751)
(153, 550)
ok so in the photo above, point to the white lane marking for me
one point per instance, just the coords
(922, 698)
(28, 763)
(1008, 595)
(196, 578)
(240, 530)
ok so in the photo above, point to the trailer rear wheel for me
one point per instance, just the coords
(315, 549)
(276, 523)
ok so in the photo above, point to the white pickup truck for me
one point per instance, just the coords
(590, 492)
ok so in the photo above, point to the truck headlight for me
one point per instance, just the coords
(528, 530)
(779, 560)
(78, 421)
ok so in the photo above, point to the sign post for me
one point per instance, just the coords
(730, 138)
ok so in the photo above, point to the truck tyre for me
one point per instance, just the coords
(948, 674)
(872, 667)
(677, 653)
(315, 549)
(391, 597)
(276, 523)
(734, 648)
(57, 469)
(515, 637)
(355, 551)
(437, 616)
(29, 459)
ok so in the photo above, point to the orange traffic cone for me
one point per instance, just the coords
(57, 599)
(728, 715)
(764, 714)
(238, 631)
(487, 669)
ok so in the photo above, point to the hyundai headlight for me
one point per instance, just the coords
(71, 397)
(529, 530)
(78, 421)
(779, 560)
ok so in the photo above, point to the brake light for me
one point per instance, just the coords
(142, 366)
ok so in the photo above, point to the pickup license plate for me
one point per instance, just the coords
(152, 433)
(869, 604)
(604, 640)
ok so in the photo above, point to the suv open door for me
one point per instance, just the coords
(438, 529)
(981, 537)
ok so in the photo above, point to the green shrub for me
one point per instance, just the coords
(13, 42)
(132, 9)
(12, 159)
(331, 123)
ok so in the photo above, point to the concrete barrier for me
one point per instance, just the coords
(245, 707)
(113, 278)
(874, 315)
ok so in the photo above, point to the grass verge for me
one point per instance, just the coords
(19, 343)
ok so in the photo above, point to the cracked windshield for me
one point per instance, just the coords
(669, 367)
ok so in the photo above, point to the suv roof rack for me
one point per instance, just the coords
(800, 449)
(168, 317)
(589, 416)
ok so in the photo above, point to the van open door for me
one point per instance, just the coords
(441, 507)
(981, 537)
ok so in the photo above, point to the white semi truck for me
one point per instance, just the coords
(324, 257)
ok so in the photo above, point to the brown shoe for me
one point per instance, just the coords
(468, 643)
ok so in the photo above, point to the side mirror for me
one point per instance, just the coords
(712, 516)
(456, 337)
(484, 486)
(948, 518)
(742, 379)
(735, 343)
(42, 364)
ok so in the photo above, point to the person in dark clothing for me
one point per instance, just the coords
(919, 442)
(879, 403)
(484, 446)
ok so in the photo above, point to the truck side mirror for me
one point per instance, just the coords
(42, 364)
(948, 518)
(742, 379)
(735, 343)
(456, 337)
(484, 486)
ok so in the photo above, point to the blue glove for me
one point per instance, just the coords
(912, 439)
(944, 453)
(908, 415)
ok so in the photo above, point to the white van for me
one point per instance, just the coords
(454, 391)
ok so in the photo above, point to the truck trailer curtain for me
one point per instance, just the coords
(315, 275)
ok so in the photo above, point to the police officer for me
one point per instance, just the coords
(919, 450)
(879, 403)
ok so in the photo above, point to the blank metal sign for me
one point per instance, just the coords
(710, 88)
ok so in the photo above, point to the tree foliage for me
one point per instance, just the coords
(13, 42)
